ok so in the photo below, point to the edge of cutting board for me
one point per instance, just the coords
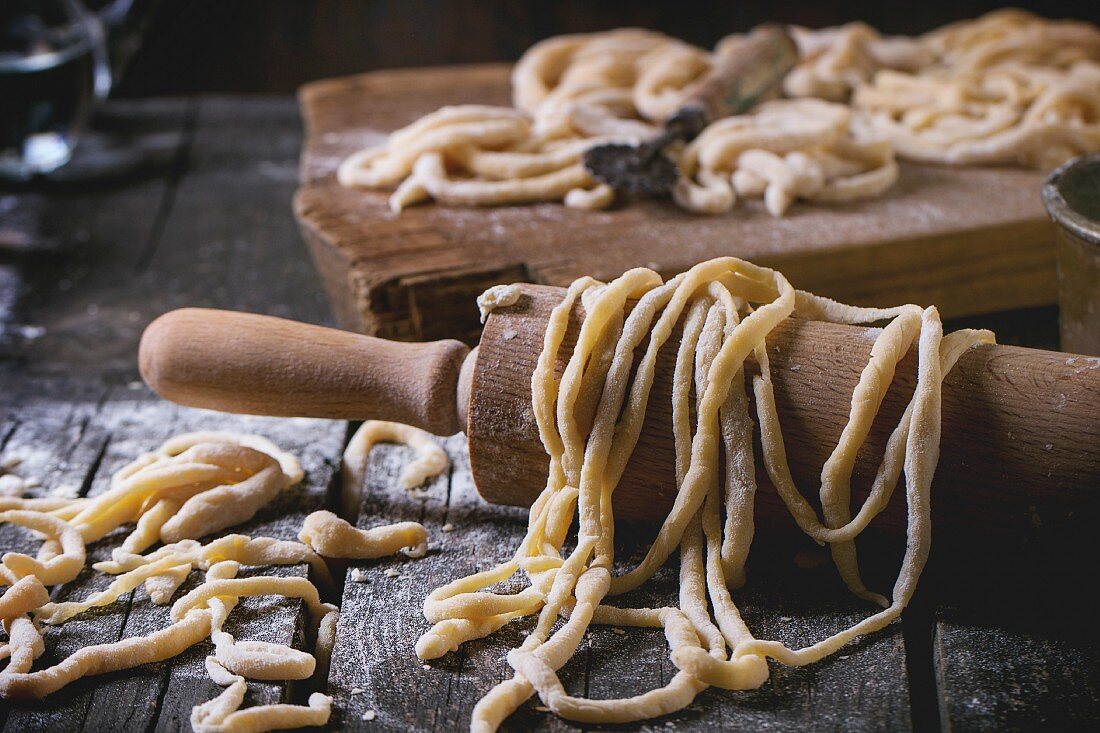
(969, 240)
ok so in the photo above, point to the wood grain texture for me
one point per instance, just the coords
(96, 272)
(986, 670)
(50, 438)
(85, 237)
(970, 240)
(1015, 647)
(1021, 427)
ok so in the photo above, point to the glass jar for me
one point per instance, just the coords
(53, 69)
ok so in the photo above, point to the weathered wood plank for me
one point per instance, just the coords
(203, 219)
(214, 228)
(382, 629)
(60, 447)
(863, 687)
(235, 181)
(380, 613)
(142, 422)
(1015, 643)
(91, 322)
(967, 239)
(997, 678)
(230, 241)
(86, 236)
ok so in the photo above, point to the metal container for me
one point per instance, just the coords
(1072, 198)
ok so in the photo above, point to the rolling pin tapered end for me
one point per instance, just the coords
(260, 365)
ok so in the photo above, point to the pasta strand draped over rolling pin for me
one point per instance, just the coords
(727, 307)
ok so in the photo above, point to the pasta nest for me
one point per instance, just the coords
(1006, 88)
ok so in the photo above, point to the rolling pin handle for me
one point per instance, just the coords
(260, 365)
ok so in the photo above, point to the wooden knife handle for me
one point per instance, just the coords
(742, 75)
(260, 365)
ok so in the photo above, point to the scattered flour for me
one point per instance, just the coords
(66, 491)
(11, 485)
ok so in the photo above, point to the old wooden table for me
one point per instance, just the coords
(187, 202)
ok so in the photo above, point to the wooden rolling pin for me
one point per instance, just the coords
(1021, 427)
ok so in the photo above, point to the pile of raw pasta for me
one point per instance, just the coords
(200, 484)
(193, 486)
(728, 307)
(1006, 88)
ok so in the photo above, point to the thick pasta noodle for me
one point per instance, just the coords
(333, 537)
(786, 150)
(430, 462)
(1011, 113)
(727, 307)
(192, 486)
(834, 61)
(1013, 35)
(1007, 88)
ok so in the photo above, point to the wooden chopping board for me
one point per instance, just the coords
(969, 240)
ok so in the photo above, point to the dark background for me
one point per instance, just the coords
(273, 46)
